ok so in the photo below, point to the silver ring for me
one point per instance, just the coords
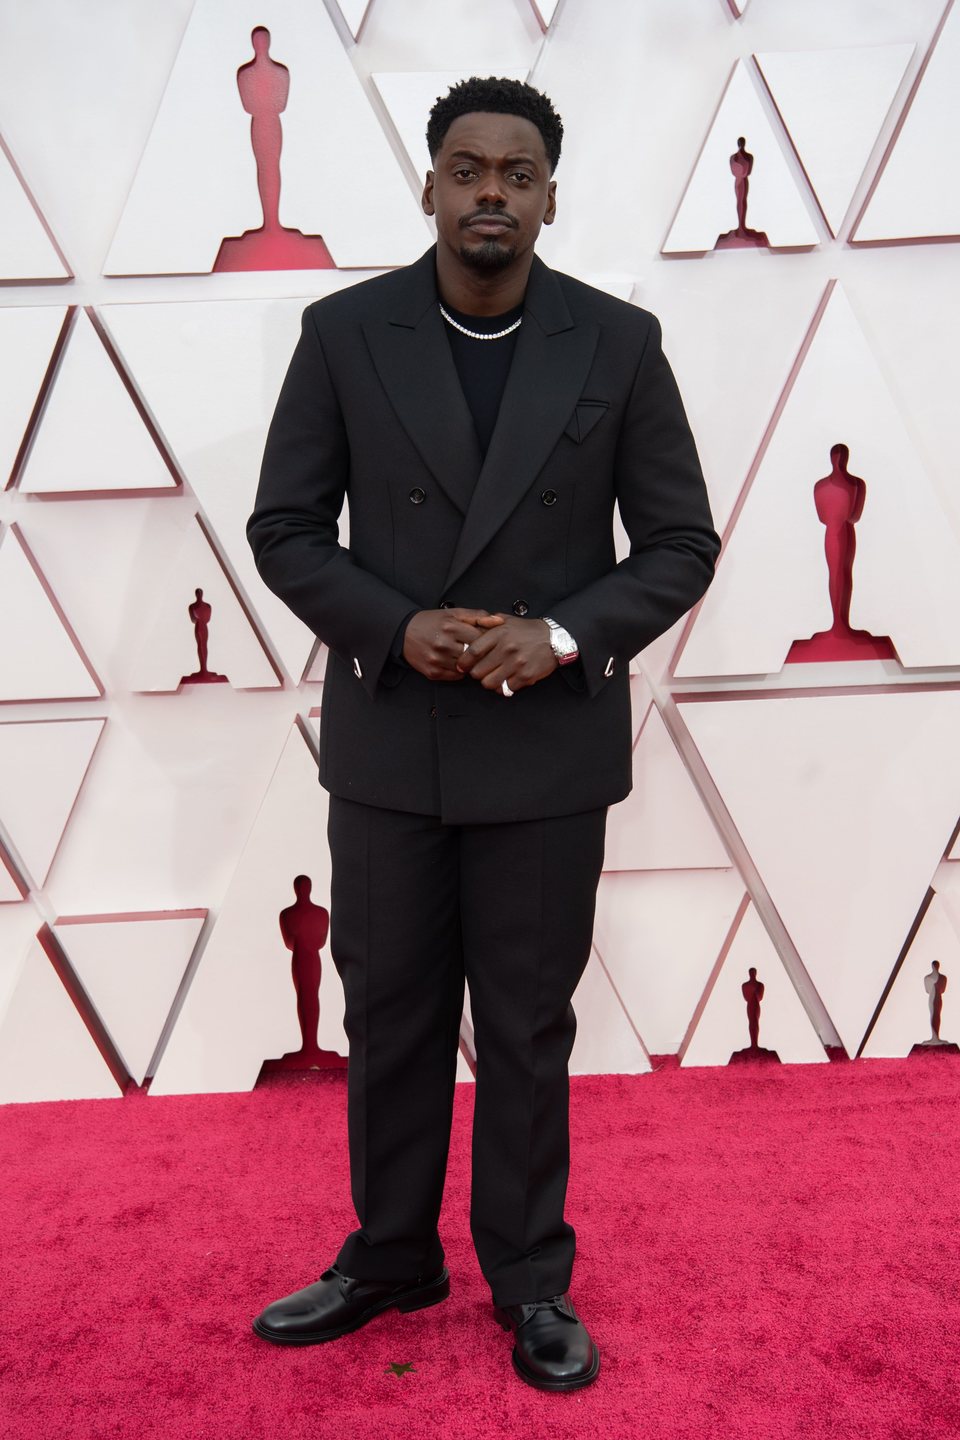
(506, 689)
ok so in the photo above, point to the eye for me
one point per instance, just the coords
(521, 176)
(463, 172)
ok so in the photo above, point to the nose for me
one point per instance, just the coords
(490, 190)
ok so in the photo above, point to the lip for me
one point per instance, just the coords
(489, 227)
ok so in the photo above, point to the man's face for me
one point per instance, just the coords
(491, 189)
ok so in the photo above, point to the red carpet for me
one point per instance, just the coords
(765, 1252)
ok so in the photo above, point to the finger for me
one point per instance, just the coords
(472, 617)
(453, 635)
(496, 678)
(488, 622)
(476, 651)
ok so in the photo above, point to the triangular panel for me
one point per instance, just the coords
(28, 336)
(845, 804)
(26, 250)
(43, 764)
(131, 967)
(46, 1050)
(197, 180)
(172, 635)
(39, 656)
(775, 206)
(772, 585)
(12, 887)
(916, 195)
(354, 13)
(545, 11)
(172, 350)
(91, 436)
(607, 1042)
(662, 824)
(18, 928)
(228, 1026)
(833, 104)
(907, 1014)
(758, 322)
(659, 934)
(723, 1028)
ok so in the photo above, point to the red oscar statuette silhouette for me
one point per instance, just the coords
(304, 928)
(935, 983)
(200, 611)
(264, 86)
(839, 498)
(743, 238)
(752, 992)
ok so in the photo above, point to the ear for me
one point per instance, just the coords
(550, 214)
(426, 199)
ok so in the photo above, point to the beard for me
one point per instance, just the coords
(490, 255)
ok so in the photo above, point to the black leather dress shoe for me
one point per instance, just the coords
(337, 1304)
(552, 1349)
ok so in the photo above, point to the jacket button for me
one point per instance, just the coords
(417, 496)
(520, 607)
(433, 712)
(548, 497)
(446, 605)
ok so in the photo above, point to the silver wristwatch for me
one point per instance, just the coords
(562, 643)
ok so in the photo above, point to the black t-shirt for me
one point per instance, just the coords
(483, 365)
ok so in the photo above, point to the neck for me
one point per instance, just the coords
(476, 292)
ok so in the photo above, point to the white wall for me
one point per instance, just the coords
(788, 816)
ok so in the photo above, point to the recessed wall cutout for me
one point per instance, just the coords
(752, 991)
(839, 498)
(743, 238)
(264, 86)
(200, 611)
(935, 984)
(304, 927)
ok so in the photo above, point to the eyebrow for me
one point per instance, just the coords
(520, 159)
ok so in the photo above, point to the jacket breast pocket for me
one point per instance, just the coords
(585, 416)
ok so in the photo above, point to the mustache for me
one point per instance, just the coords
(502, 215)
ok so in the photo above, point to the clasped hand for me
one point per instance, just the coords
(451, 644)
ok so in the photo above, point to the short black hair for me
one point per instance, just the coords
(498, 97)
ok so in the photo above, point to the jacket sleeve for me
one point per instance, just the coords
(673, 546)
(294, 531)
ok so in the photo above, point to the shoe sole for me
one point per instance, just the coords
(413, 1300)
(577, 1382)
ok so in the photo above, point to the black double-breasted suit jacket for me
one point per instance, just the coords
(372, 412)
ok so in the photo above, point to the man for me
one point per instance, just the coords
(483, 415)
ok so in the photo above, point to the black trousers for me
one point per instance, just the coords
(416, 906)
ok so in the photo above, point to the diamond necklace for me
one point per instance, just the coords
(476, 334)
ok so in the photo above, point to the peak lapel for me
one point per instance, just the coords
(412, 356)
(549, 370)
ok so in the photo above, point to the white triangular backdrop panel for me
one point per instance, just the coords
(130, 967)
(43, 764)
(197, 182)
(26, 250)
(833, 104)
(27, 338)
(906, 574)
(723, 1027)
(92, 436)
(845, 804)
(225, 1031)
(913, 197)
(775, 204)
